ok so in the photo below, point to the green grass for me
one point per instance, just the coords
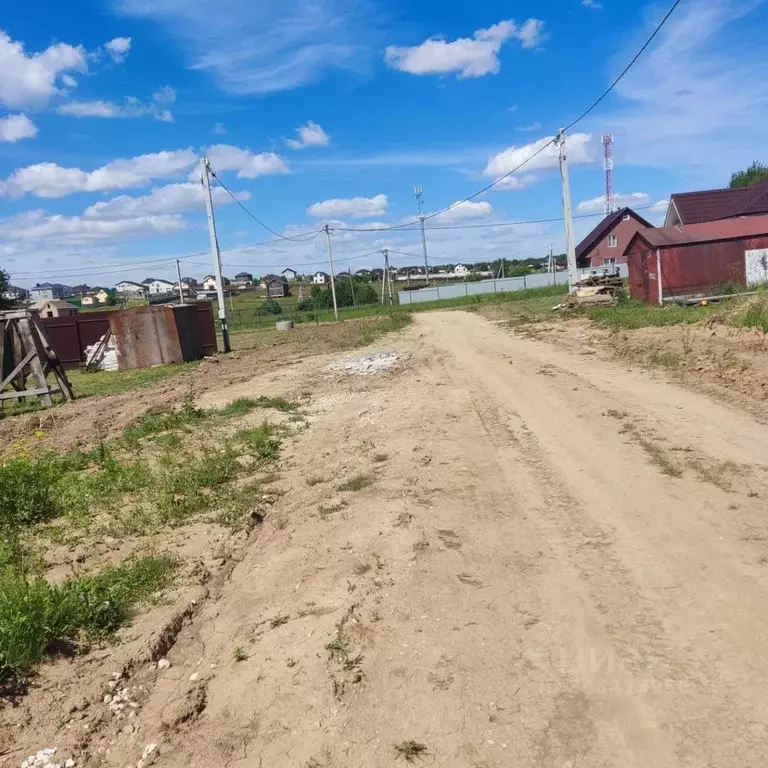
(630, 315)
(157, 421)
(755, 315)
(115, 382)
(243, 405)
(38, 618)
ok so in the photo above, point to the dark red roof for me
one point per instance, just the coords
(715, 204)
(604, 227)
(706, 232)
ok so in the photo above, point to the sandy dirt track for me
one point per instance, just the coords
(560, 563)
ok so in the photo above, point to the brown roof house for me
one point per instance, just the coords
(716, 204)
(55, 308)
(606, 243)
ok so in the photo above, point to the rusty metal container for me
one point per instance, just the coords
(156, 335)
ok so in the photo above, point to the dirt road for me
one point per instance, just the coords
(559, 563)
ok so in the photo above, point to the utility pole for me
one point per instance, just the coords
(551, 258)
(418, 190)
(569, 246)
(384, 273)
(333, 277)
(181, 290)
(205, 179)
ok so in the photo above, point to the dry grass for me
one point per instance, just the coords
(410, 750)
(356, 483)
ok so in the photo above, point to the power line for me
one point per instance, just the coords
(489, 225)
(567, 127)
(258, 220)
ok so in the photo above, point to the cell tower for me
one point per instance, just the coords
(607, 140)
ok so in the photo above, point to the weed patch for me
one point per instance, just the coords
(410, 750)
(36, 617)
(356, 483)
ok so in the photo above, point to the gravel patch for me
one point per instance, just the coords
(365, 364)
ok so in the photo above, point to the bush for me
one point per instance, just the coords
(271, 307)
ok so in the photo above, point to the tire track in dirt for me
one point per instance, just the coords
(518, 586)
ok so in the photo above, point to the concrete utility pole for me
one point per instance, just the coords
(569, 245)
(333, 277)
(181, 290)
(205, 179)
(418, 190)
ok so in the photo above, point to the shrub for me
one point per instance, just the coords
(271, 307)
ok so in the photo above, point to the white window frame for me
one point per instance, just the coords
(613, 241)
(626, 217)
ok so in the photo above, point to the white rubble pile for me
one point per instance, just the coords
(121, 698)
(366, 364)
(147, 756)
(109, 361)
(44, 759)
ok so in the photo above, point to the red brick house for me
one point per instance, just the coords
(717, 204)
(606, 243)
(697, 259)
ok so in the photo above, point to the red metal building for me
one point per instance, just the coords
(696, 259)
(606, 243)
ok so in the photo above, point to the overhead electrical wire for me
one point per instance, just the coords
(568, 127)
(403, 227)
(491, 224)
(303, 239)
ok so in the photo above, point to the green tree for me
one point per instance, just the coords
(756, 172)
(4, 283)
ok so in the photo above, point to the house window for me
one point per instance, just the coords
(609, 262)
(626, 217)
(613, 241)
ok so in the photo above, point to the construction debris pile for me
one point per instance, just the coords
(365, 364)
(594, 291)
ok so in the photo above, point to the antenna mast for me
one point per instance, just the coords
(607, 140)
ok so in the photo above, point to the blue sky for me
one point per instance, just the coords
(331, 110)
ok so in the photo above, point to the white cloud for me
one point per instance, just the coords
(691, 101)
(466, 209)
(517, 182)
(310, 135)
(530, 128)
(359, 207)
(219, 129)
(265, 46)
(52, 180)
(72, 230)
(580, 152)
(468, 57)
(69, 81)
(597, 204)
(225, 157)
(594, 4)
(29, 80)
(118, 48)
(16, 127)
(170, 199)
(130, 108)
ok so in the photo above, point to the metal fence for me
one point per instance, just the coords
(502, 285)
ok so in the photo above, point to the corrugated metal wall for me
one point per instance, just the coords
(702, 267)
